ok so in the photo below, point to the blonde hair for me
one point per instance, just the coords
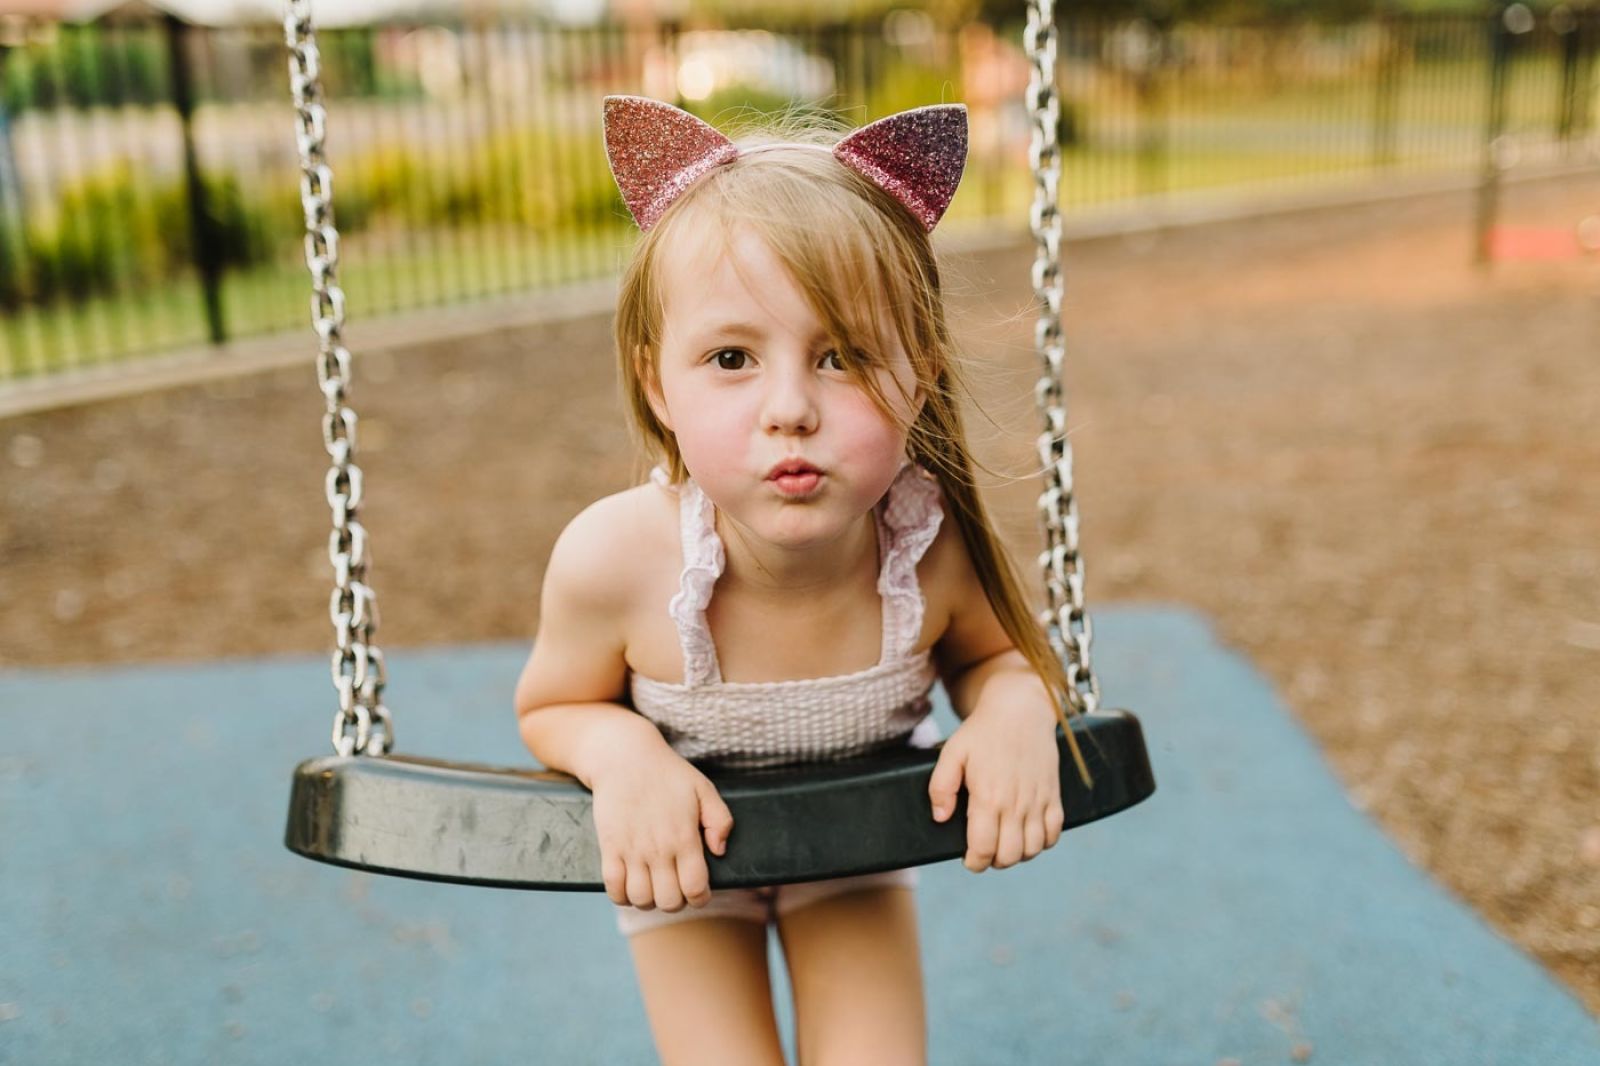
(861, 258)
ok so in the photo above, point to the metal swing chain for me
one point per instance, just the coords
(1065, 618)
(362, 725)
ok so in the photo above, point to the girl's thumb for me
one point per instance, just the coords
(945, 783)
(715, 816)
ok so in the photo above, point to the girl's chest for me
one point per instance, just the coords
(800, 640)
(753, 642)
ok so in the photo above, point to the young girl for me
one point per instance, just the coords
(809, 556)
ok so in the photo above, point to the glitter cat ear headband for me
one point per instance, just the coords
(657, 151)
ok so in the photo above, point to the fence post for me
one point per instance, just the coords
(11, 212)
(1153, 134)
(202, 234)
(1588, 30)
(1565, 24)
(1387, 92)
(1500, 31)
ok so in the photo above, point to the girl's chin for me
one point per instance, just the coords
(799, 526)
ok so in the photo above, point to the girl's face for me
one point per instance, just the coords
(769, 424)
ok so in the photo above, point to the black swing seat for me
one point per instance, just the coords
(483, 825)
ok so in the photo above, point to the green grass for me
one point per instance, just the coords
(438, 268)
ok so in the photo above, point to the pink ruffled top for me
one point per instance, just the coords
(767, 723)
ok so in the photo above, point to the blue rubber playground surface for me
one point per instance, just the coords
(149, 913)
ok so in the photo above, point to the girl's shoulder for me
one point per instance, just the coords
(613, 548)
(960, 622)
(956, 602)
(942, 572)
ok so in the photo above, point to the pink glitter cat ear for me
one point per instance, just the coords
(916, 156)
(657, 151)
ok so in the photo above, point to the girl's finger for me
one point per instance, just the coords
(715, 817)
(1054, 819)
(946, 782)
(615, 876)
(983, 834)
(664, 885)
(638, 881)
(1032, 834)
(693, 877)
(1009, 852)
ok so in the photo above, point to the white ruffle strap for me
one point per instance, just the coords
(703, 560)
(908, 522)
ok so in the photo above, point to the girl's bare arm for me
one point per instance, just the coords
(652, 809)
(1004, 753)
(569, 697)
(974, 649)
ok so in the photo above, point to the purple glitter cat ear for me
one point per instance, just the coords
(657, 151)
(916, 156)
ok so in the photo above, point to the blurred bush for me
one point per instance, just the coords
(121, 229)
(81, 68)
(117, 231)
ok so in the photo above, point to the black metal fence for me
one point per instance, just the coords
(149, 196)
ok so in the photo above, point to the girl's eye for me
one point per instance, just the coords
(831, 358)
(730, 359)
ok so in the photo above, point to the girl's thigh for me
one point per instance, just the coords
(707, 992)
(856, 970)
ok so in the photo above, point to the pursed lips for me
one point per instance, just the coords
(795, 478)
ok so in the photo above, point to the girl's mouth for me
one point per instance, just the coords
(795, 478)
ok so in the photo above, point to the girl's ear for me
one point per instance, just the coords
(920, 403)
(919, 392)
(644, 369)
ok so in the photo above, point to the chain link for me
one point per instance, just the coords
(1064, 617)
(362, 725)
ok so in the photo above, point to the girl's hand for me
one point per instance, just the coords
(650, 806)
(1006, 753)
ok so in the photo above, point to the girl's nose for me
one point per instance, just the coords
(791, 404)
